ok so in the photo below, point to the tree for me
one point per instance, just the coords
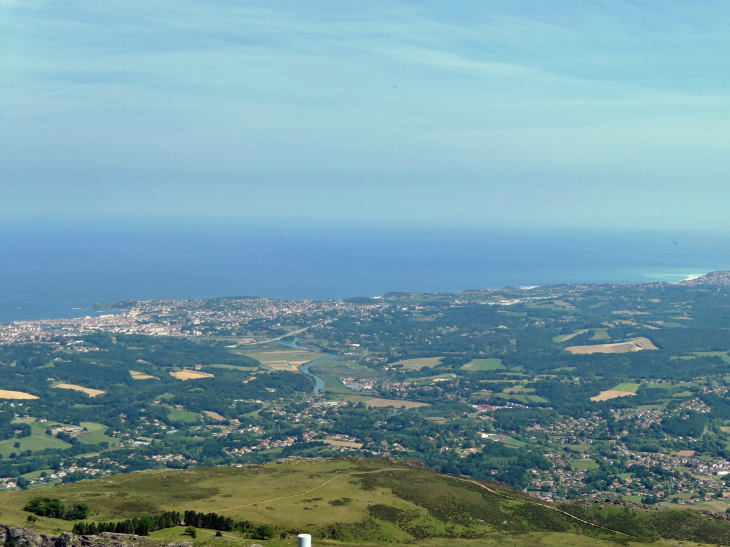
(191, 531)
(77, 511)
(263, 532)
(45, 507)
(32, 518)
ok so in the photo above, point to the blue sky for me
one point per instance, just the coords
(586, 114)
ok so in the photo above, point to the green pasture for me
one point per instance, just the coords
(522, 397)
(721, 354)
(180, 415)
(651, 407)
(484, 364)
(514, 442)
(583, 464)
(38, 473)
(348, 364)
(34, 443)
(22, 420)
(626, 387)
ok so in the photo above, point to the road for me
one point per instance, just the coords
(289, 334)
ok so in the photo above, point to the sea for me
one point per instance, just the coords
(52, 270)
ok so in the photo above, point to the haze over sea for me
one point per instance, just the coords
(61, 271)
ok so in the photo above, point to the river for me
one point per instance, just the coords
(318, 382)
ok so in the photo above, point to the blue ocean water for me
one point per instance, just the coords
(60, 270)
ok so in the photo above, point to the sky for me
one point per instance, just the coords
(512, 113)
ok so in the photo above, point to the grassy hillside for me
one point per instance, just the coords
(365, 501)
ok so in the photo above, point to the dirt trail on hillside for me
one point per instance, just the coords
(449, 476)
(542, 505)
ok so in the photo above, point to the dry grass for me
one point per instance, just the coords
(394, 403)
(611, 394)
(334, 442)
(5, 394)
(569, 336)
(88, 391)
(637, 344)
(190, 375)
(141, 375)
(644, 343)
(282, 365)
(285, 360)
(214, 415)
(418, 364)
(293, 357)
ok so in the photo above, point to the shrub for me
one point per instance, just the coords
(45, 507)
(263, 532)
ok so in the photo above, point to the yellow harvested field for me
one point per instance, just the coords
(5, 394)
(141, 375)
(233, 367)
(685, 453)
(644, 343)
(637, 344)
(285, 360)
(334, 442)
(291, 356)
(214, 415)
(418, 364)
(90, 392)
(569, 336)
(188, 374)
(394, 403)
(282, 365)
(611, 394)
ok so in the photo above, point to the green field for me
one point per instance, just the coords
(34, 442)
(522, 397)
(331, 370)
(651, 407)
(348, 364)
(484, 364)
(96, 434)
(721, 354)
(600, 334)
(180, 415)
(583, 464)
(626, 387)
(563, 337)
(35, 474)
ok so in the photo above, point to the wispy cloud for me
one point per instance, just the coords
(604, 88)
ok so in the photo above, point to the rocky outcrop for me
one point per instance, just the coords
(25, 537)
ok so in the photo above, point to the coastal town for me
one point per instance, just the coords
(183, 318)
